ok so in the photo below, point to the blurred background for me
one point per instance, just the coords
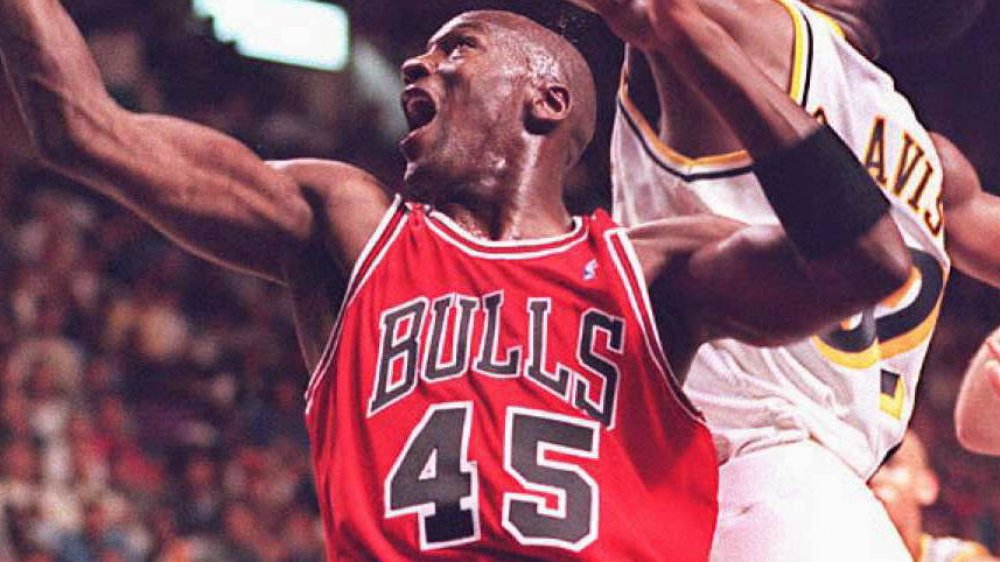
(150, 404)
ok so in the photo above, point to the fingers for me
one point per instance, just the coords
(993, 348)
(993, 376)
(627, 19)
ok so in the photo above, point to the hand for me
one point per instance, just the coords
(647, 25)
(629, 20)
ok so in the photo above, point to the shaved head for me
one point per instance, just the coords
(551, 59)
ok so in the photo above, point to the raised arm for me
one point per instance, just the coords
(977, 412)
(201, 188)
(840, 250)
(972, 216)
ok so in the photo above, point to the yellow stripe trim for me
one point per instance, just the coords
(797, 85)
(833, 23)
(893, 300)
(893, 405)
(670, 155)
(908, 341)
(796, 91)
(859, 360)
(881, 349)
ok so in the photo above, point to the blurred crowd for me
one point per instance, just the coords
(150, 403)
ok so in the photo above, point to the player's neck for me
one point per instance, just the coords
(521, 218)
(519, 201)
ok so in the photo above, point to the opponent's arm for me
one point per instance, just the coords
(201, 188)
(756, 283)
(972, 216)
(840, 250)
(977, 411)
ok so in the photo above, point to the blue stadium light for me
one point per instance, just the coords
(296, 32)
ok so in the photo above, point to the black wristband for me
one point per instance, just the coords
(823, 197)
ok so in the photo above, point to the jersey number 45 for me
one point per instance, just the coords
(434, 479)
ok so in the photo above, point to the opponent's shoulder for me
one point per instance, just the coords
(961, 181)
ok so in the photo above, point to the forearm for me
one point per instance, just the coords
(977, 411)
(698, 49)
(201, 188)
(55, 80)
(829, 206)
(838, 253)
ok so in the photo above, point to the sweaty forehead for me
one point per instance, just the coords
(490, 23)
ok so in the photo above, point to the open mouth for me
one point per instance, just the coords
(419, 107)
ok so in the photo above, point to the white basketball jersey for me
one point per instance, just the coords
(851, 390)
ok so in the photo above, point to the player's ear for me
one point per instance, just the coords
(548, 105)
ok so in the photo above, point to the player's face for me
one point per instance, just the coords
(464, 101)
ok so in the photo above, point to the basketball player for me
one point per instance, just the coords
(494, 385)
(977, 412)
(906, 484)
(800, 428)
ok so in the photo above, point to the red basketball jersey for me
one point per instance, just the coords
(503, 400)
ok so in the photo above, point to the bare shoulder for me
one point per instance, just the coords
(349, 203)
(333, 179)
(961, 181)
(336, 188)
(951, 156)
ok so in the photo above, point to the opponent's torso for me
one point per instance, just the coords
(503, 401)
(852, 390)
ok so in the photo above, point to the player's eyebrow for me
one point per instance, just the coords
(458, 29)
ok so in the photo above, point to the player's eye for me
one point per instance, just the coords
(457, 46)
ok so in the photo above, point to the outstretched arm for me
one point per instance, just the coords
(201, 188)
(977, 412)
(840, 250)
(972, 216)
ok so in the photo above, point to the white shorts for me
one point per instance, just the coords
(800, 503)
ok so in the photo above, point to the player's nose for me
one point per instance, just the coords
(416, 68)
